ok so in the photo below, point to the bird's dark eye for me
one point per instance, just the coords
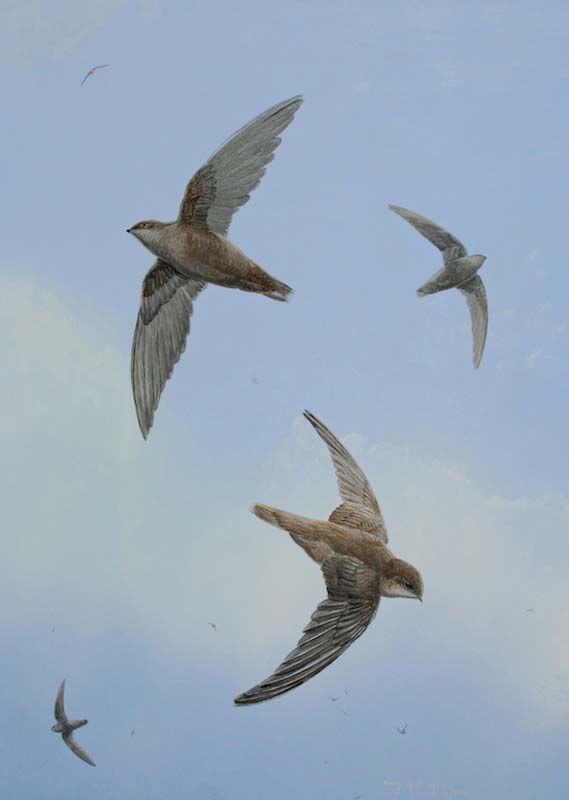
(142, 225)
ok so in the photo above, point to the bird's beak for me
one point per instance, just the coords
(128, 230)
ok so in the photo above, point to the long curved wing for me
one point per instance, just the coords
(475, 294)
(162, 327)
(59, 710)
(360, 508)
(224, 183)
(448, 244)
(77, 749)
(353, 598)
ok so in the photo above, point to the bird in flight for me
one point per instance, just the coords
(403, 730)
(194, 251)
(459, 271)
(66, 727)
(334, 699)
(212, 625)
(358, 568)
(92, 71)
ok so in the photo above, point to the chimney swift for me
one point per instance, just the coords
(66, 727)
(460, 271)
(358, 568)
(194, 251)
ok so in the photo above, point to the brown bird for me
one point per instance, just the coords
(193, 251)
(358, 568)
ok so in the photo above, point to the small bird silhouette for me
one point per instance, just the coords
(254, 379)
(53, 629)
(459, 272)
(530, 610)
(193, 251)
(132, 732)
(333, 699)
(212, 625)
(66, 727)
(358, 568)
(92, 71)
(403, 730)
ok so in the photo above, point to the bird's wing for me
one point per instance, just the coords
(162, 327)
(101, 66)
(448, 244)
(475, 294)
(59, 710)
(226, 180)
(353, 598)
(86, 76)
(360, 508)
(75, 748)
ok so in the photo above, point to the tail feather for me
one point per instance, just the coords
(266, 284)
(280, 292)
(292, 523)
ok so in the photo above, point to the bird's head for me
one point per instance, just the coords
(400, 579)
(56, 728)
(146, 231)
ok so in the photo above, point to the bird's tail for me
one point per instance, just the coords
(280, 291)
(292, 523)
(266, 284)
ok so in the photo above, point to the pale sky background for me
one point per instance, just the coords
(128, 549)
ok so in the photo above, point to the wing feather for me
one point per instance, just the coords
(225, 182)
(59, 710)
(475, 294)
(448, 244)
(360, 508)
(160, 335)
(77, 749)
(353, 598)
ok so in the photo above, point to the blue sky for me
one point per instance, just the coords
(129, 548)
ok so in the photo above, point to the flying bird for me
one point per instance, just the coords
(66, 727)
(334, 699)
(212, 625)
(403, 730)
(92, 71)
(460, 271)
(194, 251)
(358, 568)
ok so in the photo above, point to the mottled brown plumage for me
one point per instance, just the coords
(194, 251)
(358, 568)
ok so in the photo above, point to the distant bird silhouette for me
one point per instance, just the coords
(212, 625)
(132, 732)
(66, 727)
(530, 610)
(403, 730)
(254, 379)
(333, 699)
(92, 71)
(459, 271)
